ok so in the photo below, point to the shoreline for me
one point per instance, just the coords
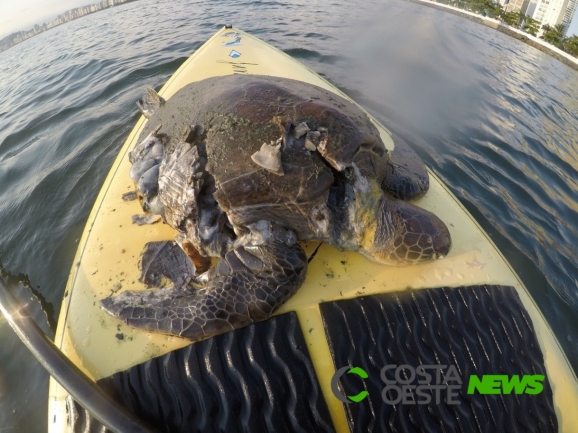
(533, 41)
(20, 36)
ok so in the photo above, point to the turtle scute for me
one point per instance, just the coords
(264, 162)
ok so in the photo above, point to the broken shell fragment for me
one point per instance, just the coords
(140, 220)
(312, 140)
(309, 145)
(269, 157)
(300, 130)
(129, 196)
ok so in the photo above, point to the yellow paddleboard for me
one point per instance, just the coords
(107, 263)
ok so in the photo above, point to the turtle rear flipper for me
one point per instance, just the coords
(246, 286)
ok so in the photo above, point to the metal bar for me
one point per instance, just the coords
(84, 390)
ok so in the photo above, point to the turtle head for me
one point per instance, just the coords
(392, 232)
(406, 234)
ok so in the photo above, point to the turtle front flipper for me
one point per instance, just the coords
(150, 102)
(246, 286)
(406, 177)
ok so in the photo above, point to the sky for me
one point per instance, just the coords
(23, 14)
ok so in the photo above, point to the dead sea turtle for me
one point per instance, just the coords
(262, 163)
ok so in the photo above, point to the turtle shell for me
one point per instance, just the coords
(237, 114)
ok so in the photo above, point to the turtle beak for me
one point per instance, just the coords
(442, 242)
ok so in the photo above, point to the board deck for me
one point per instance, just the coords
(107, 259)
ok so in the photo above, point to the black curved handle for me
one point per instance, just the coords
(85, 391)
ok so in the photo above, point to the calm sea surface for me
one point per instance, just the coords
(496, 119)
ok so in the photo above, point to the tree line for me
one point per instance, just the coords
(553, 35)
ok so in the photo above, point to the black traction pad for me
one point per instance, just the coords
(478, 329)
(255, 379)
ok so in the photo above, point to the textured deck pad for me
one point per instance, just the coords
(256, 379)
(481, 330)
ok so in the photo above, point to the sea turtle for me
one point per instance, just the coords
(249, 166)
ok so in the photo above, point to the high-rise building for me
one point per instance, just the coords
(554, 12)
(568, 14)
(531, 9)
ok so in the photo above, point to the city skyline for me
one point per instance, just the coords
(72, 14)
(24, 15)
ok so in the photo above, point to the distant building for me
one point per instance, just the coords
(549, 12)
(552, 12)
(568, 14)
(531, 9)
(517, 6)
(72, 14)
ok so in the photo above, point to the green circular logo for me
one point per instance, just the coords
(335, 389)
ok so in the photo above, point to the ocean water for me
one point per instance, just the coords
(496, 119)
